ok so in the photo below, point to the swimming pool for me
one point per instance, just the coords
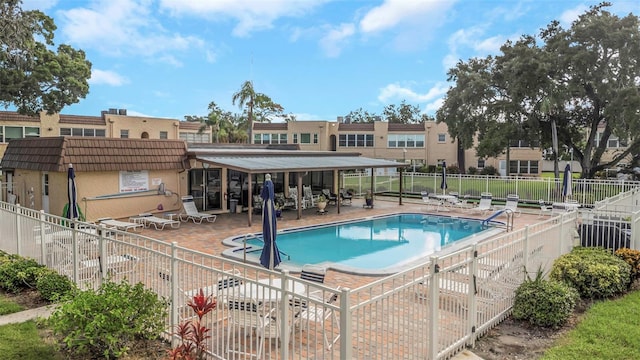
(376, 245)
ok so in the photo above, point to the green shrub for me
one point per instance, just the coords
(18, 273)
(594, 272)
(631, 257)
(489, 170)
(106, 322)
(52, 286)
(544, 303)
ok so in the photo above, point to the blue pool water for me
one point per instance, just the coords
(379, 243)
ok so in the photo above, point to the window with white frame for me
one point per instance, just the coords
(124, 134)
(87, 132)
(523, 167)
(260, 138)
(442, 137)
(355, 140)
(305, 138)
(481, 163)
(164, 135)
(194, 137)
(405, 140)
(613, 142)
(295, 138)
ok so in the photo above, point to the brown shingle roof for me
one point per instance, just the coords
(14, 116)
(94, 154)
(190, 125)
(81, 119)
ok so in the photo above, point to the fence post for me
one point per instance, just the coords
(471, 319)
(635, 230)
(18, 229)
(525, 251)
(284, 313)
(102, 255)
(346, 327)
(173, 282)
(43, 241)
(434, 301)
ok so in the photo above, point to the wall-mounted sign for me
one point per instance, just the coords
(131, 181)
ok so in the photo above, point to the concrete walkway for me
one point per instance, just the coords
(22, 316)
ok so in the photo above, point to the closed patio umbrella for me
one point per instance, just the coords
(443, 184)
(567, 183)
(72, 212)
(270, 256)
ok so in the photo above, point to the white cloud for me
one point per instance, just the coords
(396, 91)
(118, 27)
(106, 77)
(251, 15)
(569, 16)
(41, 5)
(400, 12)
(336, 38)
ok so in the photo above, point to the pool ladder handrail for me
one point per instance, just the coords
(244, 246)
(509, 223)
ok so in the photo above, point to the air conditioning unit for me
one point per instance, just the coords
(113, 111)
(340, 119)
(122, 112)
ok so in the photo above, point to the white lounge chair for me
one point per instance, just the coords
(512, 204)
(120, 225)
(157, 222)
(192, 213)
(485, 204)
(431, 203)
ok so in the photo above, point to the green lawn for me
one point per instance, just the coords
(610, 330)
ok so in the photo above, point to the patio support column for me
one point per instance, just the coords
(299, 195)
(373, 184)
(250, 199)
(401, 187)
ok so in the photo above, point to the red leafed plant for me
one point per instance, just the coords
(192, 333)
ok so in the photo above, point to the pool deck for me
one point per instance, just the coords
(207, 237)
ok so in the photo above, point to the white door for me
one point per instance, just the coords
(45, 192)
(503, 168)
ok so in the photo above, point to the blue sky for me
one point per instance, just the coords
(319, 59)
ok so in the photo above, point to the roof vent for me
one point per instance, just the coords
(113, 111)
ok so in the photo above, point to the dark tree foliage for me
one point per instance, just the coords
(34, 77)
(573, 79)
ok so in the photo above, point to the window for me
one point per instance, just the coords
(124, 134)
(13, 132)
(315, 138)
(442, 137)
(164, 135)
(31, 132)
(355, 140)
(269, 138)
(295, 138)
(305, 138)
(405, 141)
(82, 132)
(523, 167)
(480, 163)
(194, 137)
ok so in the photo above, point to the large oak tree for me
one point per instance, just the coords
(34, 76)
(575, 79)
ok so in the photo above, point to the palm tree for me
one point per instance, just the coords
(246, 96)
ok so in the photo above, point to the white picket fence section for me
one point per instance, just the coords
(430, 311)
(530, 189)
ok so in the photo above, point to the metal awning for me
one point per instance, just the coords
(264, 164)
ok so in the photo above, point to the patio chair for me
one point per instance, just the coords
(308, 198)
(293, 195)
(192, 213)
(512, 204)
(251, 314)
(430, 202)
(120, 225)
(484, 205)
(544, 209)
(323, 316)
(459, 203)
(157, 222)
(331, 198)
(227, 283)
(345, 197)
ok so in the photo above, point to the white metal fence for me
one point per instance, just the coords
(467, 292)
(530, 189)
